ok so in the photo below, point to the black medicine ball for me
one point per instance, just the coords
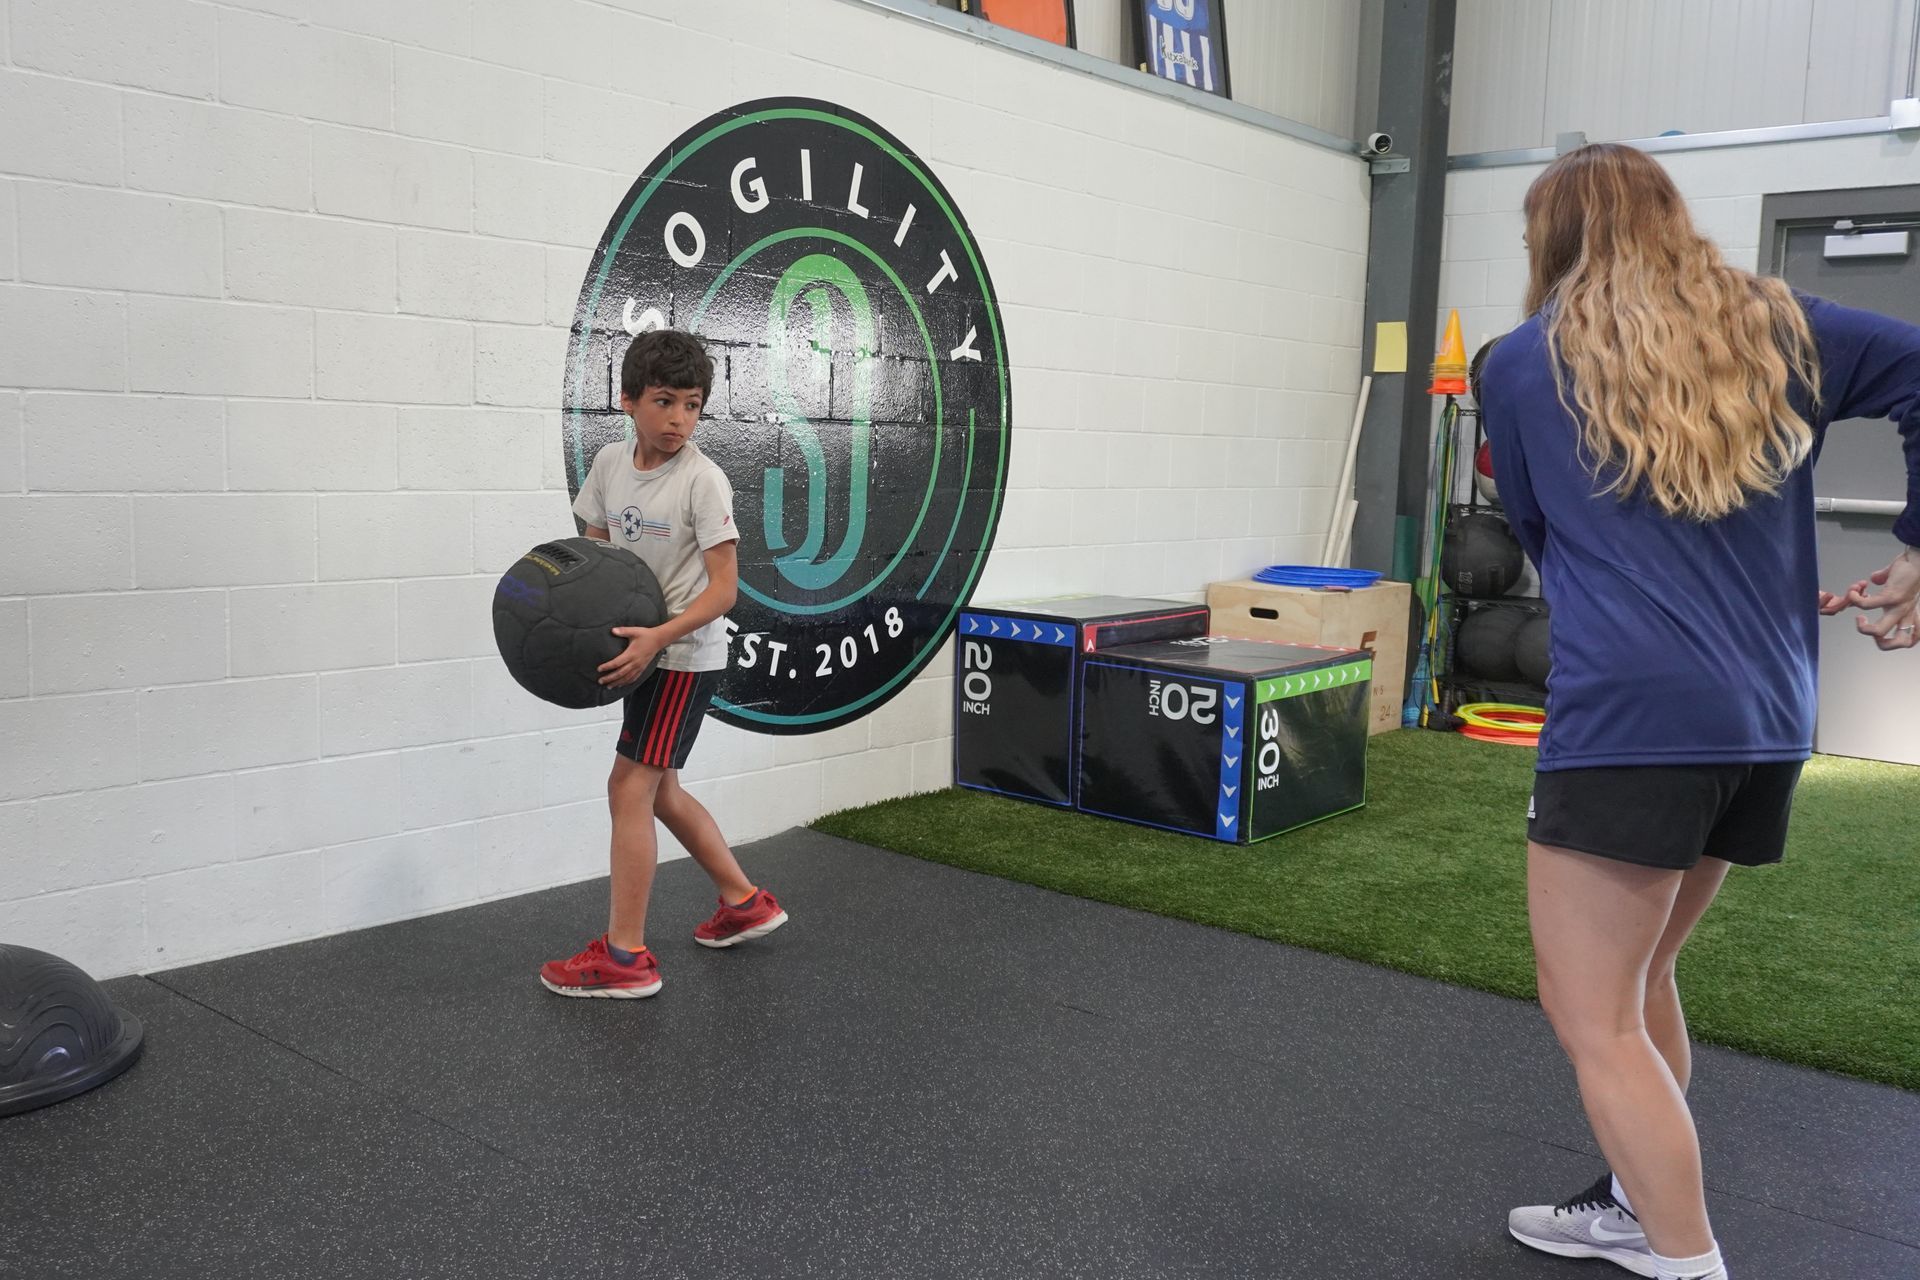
(1475, 365)
(1482, 558)
(1530, 651)
(1485, 642)
(554, 613)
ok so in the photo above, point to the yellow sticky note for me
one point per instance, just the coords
(1390, 346)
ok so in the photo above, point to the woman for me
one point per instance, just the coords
(1654, 424)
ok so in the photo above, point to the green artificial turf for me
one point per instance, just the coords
(1815, 961)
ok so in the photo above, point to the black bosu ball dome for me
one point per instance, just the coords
(59, 1034)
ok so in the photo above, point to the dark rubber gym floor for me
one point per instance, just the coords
(928, 1073)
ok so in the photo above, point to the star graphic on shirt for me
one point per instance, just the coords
(630, 523)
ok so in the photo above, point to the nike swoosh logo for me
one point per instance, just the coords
(1606, 1235)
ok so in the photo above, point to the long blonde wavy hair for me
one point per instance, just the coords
(1680, 364)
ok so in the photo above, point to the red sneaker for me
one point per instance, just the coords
(595, 973)
(757, 917)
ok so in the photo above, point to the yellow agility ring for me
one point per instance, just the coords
(1502, 715)
(1501, 722)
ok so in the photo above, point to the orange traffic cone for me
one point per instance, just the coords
(1450, 366)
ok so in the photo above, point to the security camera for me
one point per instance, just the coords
(1378, 144)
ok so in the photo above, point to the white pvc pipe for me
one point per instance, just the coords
(1859, 506)
(1343, 492)
(1343, 545)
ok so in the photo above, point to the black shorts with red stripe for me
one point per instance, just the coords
(664, 716)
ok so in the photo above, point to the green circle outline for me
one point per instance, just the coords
(928, 183)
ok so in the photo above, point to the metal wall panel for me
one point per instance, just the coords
(1295, 58)
(1855, 67)
(1528, 70)
(1499, 74)
(1366, 88)
(1100, 28)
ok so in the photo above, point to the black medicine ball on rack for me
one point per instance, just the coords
(1481, 558)
(1484, 644)
(1530, 650)
(1478, 363)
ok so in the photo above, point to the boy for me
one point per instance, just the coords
(659, 497)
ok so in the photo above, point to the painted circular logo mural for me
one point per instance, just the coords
(861, 402)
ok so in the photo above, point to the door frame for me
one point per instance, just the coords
(1785, 211)
(1781, 214)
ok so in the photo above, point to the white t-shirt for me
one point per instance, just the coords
(667, 516)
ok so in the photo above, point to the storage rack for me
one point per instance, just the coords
(1456, 687)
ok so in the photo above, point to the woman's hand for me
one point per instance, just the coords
(1895, 592)
(643, 646)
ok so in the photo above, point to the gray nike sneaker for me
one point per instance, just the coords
(1590, 1225)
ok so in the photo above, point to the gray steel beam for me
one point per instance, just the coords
(1403, 282)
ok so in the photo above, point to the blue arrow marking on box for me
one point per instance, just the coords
(1025, 630)
(1232, 720)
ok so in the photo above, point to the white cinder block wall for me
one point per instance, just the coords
(1485, 268)
(284, 288)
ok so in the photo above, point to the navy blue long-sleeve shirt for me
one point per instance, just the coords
(1677, 641)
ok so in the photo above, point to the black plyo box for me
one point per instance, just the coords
(1016, 684)
(1234, 740)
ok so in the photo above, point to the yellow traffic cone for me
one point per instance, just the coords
(1450, 366)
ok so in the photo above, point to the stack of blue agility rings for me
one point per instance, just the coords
(1308, 575)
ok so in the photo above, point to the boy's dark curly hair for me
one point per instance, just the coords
(666, 358)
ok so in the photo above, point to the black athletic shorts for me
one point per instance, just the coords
(1667, 816)
(664, 716)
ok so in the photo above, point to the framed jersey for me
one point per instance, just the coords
(1048, 19)
(1184, 41)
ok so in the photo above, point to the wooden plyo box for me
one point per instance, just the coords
(1372, 618)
